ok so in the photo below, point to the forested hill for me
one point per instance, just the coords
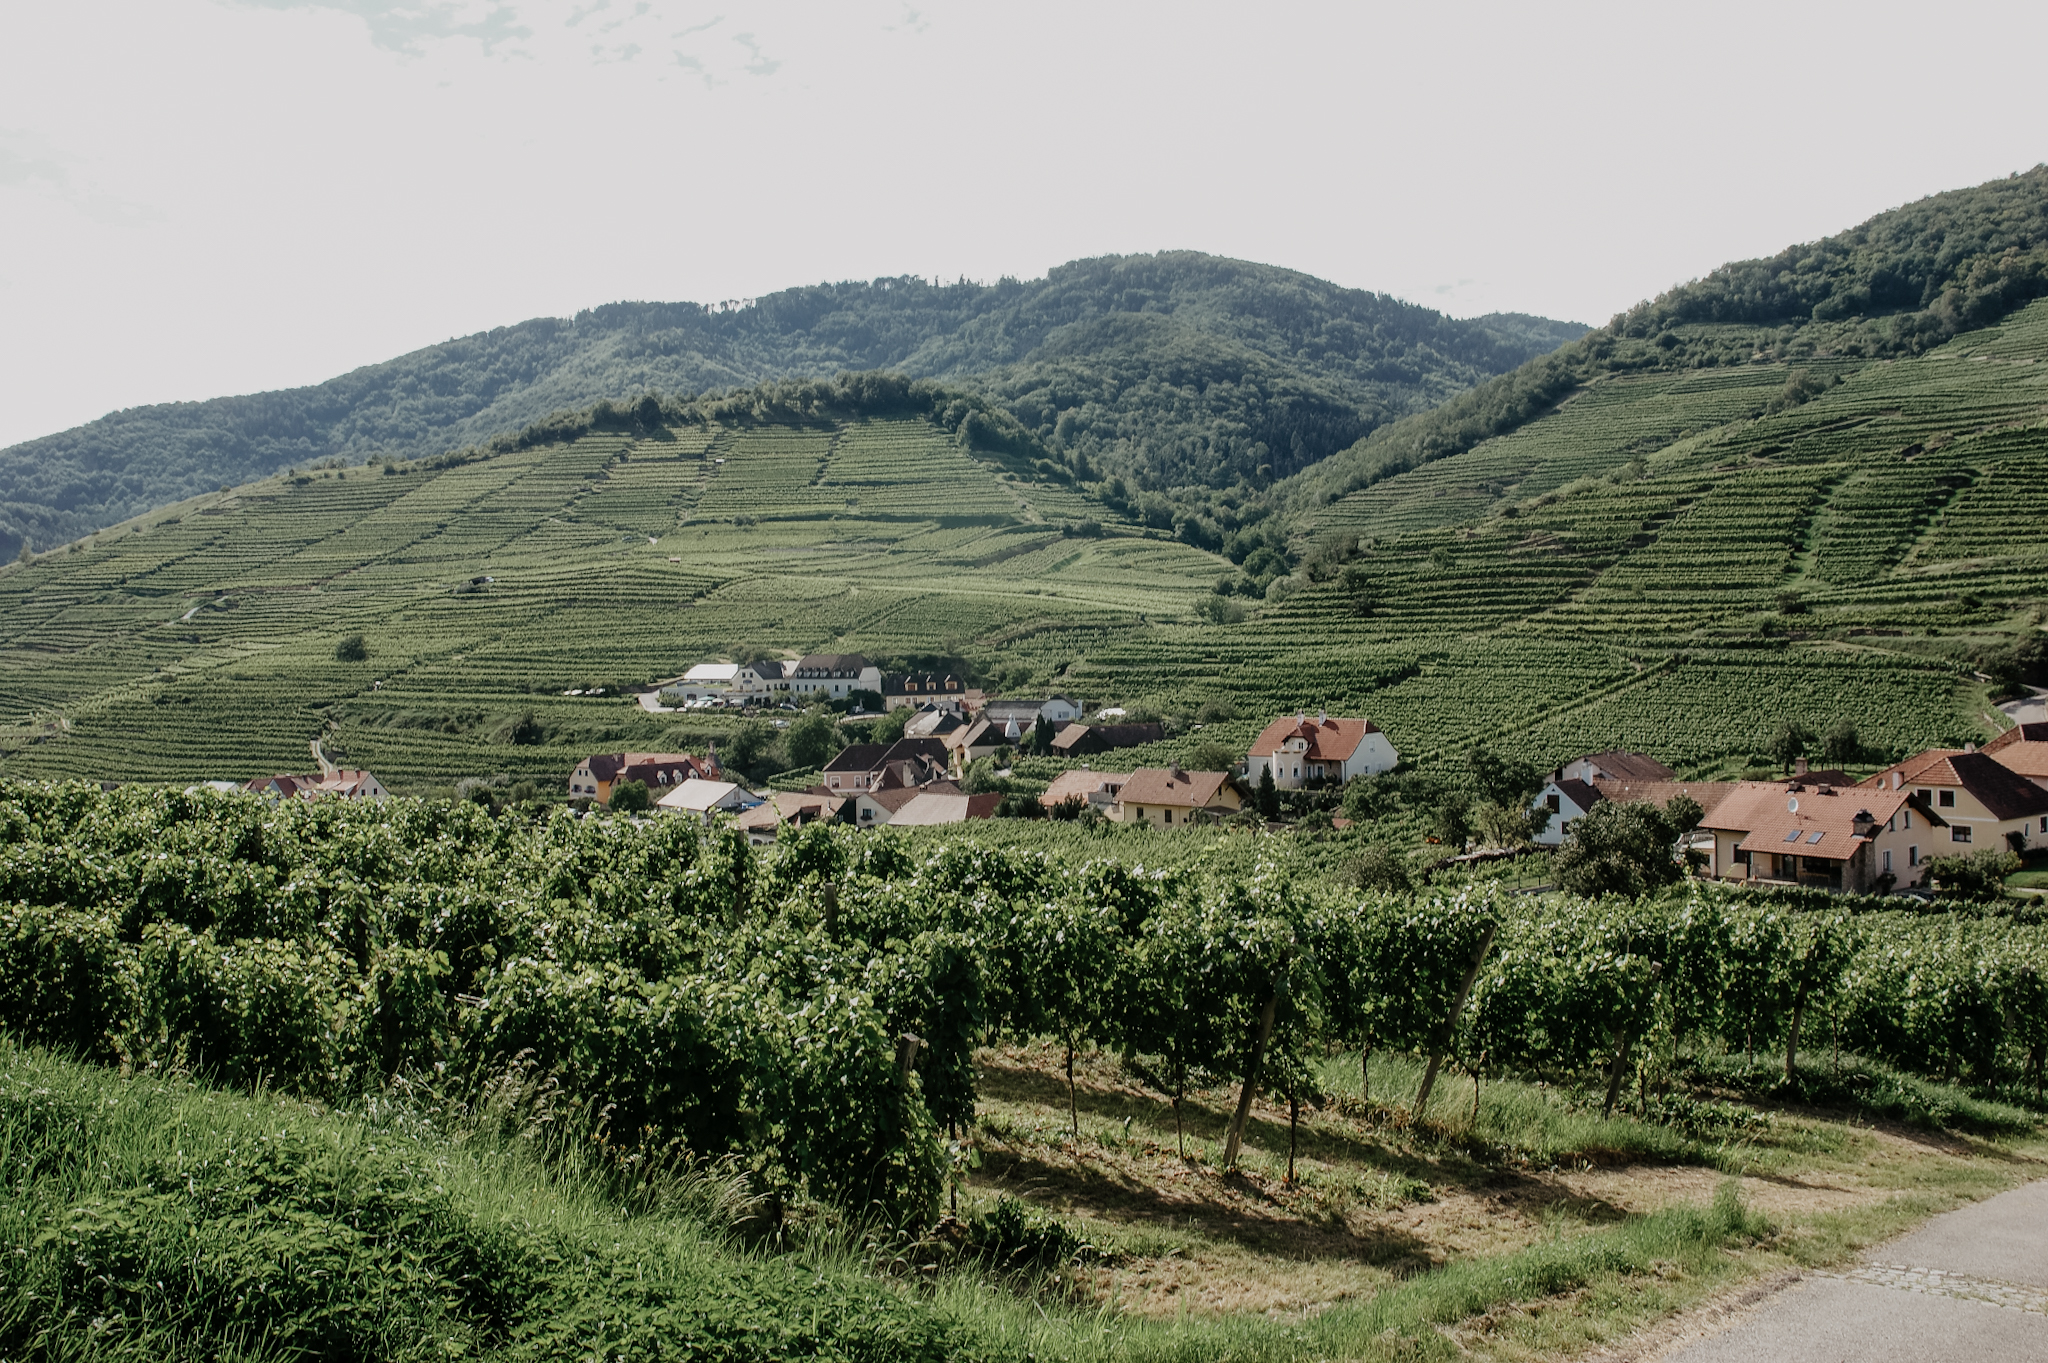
(1900, 284)
(1169, 369)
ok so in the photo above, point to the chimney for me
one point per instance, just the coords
(1969, 747)
(1322, 716)
(1799, 766)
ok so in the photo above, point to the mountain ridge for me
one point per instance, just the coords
(1344, 361)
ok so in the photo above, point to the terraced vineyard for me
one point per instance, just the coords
(1662, 561)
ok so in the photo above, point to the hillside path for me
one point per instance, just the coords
(1969, 1285)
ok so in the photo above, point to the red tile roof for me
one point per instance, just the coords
(1329, 739)
(2022, 748)
(2004, 792)
(1811, 822)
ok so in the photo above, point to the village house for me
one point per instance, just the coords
(596, 775)
(868, 766)
(982, 738)
(1847, 838)
(785, 809)
(339, 784)
(1320, 751)
(931, 806)
(1096, 789)
(1570, 798)
(705, 681)
(880, 806)
(765, 680)
(940, 689)
(1615, 766)
(707, 798)
(1083, 740)
(833, 676)
(2022, 749)
(932, 722)
(1171, 797)
(1981, 802)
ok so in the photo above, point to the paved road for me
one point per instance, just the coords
(1969, 1286)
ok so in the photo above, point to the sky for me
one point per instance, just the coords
(203, 197)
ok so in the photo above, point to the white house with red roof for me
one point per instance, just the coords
(1301, 751)
(1982, 802)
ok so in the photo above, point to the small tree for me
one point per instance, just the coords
(810, 741)
(27, 555)
(1500, 780)
(631, 797)
(1269, 794)
(352, 650)
(1625, 848)
(1211, 757)
(1841, 746)
(1790, 743)
(747, 744)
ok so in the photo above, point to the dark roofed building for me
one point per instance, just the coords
(1617, 766)
(1080, 740)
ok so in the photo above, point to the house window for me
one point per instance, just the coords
(1912, 856)
(1909, 817)
(1742, 856)
(1551, 800)
(1887, 863)
(1948, 799)
(867, 814)
(1959, 834)
(1169, 816)
(2044, 823)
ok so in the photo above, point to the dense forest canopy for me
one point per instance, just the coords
(1178, 368)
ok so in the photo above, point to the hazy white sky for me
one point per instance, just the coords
(201, 197)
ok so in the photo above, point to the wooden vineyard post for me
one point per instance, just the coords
(1624, 1039)
(1442, 1040)
(831, 910)
(1251, 1080)
(906, 1055)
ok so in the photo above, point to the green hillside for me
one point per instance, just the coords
(1905, 281)
(1167, 369)
(1654, 564)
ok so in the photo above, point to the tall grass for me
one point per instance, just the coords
(154, 1219)
(1515, 1120)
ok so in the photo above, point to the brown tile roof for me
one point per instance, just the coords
(1810, 822)
(1076, 739)
(2004, 792)
(1173, 787)
(815, 665)
(1329, 739)
(2022, 748)
(1079, 785)
(646, 766)
(895, 797)
(1627, 766)
(2030, 732)
(1706, 794)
